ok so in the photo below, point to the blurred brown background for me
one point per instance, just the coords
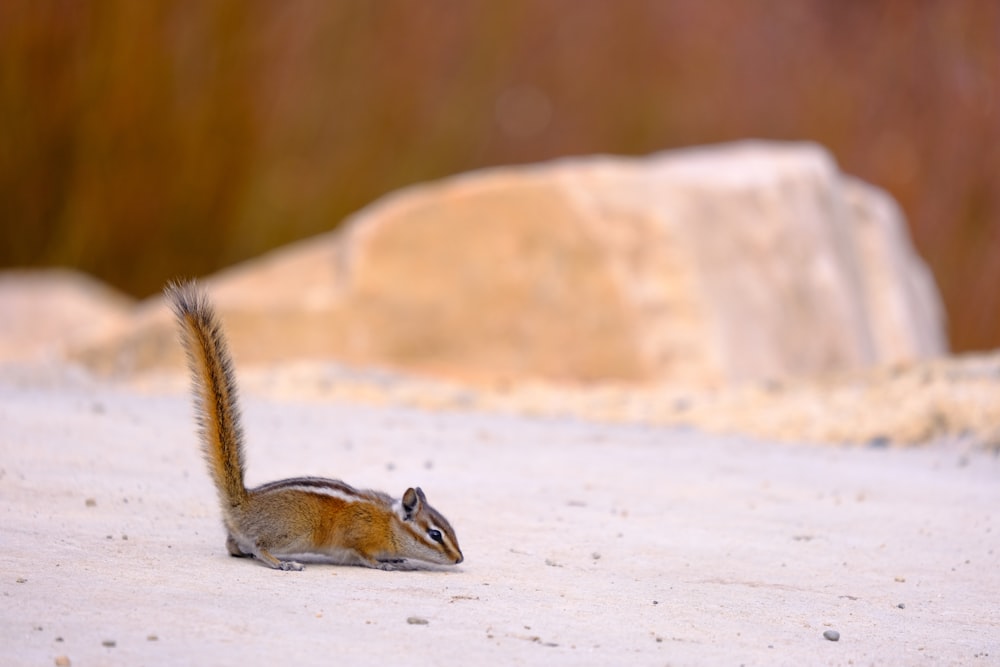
(144, 140)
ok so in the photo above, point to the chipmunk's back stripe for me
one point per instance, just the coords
(318, 485)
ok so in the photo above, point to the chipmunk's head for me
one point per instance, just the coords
(425, 534)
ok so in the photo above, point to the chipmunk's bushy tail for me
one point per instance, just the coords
(214, 388)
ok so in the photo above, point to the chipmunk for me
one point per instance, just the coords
(302, 515)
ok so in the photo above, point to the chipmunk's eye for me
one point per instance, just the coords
(435, 535)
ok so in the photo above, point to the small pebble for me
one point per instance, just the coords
(90, 502)
(22, 580)
(416, 620)
(901, 605)
(832, 635)
(62, 661)
(152, 638)
(110, 643)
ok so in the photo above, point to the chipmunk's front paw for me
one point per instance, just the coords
(391, 564)
(291, 565)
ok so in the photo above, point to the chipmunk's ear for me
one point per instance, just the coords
(411, 502)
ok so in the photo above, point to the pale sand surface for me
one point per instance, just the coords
(585, 543)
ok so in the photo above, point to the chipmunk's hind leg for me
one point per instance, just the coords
(265, 557)
(259, 552)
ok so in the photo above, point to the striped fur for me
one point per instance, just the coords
(303, 515)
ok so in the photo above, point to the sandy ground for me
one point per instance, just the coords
(585, 543)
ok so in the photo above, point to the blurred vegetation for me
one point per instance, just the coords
(144, 139)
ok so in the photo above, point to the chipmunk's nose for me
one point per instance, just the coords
(460, 558)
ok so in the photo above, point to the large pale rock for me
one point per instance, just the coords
(738, 262)
(904, 308)
(43, 312)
